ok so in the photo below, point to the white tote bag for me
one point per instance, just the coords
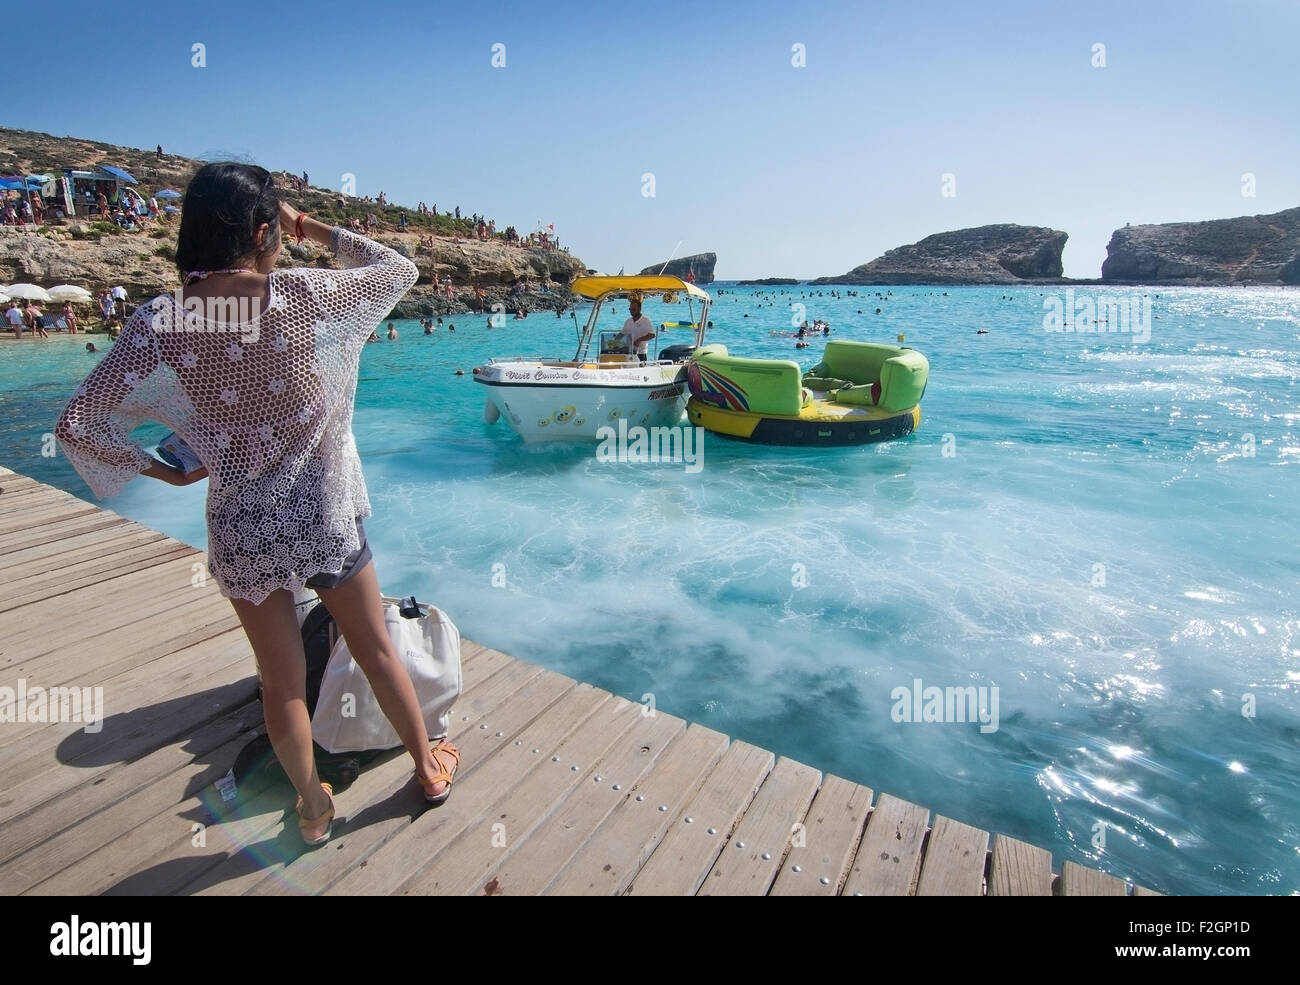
(348, 717)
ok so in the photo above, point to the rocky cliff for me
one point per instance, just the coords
(701, 263)
(999, 254)
(1259, 249)
(96, 255)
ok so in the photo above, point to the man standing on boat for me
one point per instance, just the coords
(638, 330)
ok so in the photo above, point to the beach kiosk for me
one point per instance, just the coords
(85, 186)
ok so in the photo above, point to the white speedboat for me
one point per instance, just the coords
(571, 399)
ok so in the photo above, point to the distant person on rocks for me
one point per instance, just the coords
(401, 218)
(160, 153)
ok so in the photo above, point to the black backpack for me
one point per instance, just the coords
(339, 770)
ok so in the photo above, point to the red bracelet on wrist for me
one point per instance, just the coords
(298, 231)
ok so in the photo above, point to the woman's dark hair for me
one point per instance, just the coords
(224, 205)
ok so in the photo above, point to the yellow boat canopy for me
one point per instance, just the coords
(598, 287)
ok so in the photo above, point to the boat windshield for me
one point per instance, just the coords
(675, 318)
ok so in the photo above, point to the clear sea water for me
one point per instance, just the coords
(1099, 544)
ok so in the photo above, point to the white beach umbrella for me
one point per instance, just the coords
(28, 292)
(70, 292)
(4, 298)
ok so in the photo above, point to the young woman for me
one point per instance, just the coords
(261, 385)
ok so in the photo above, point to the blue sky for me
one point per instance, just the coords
(782, 171)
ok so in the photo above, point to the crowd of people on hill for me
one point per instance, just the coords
(130, 211)
(22, 212)
(287, 180)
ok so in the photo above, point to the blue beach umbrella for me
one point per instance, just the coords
(170, 208)
(166, 193)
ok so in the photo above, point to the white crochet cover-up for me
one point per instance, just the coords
(265, 404)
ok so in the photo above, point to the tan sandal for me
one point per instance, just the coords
(443, 751)
(326, 819)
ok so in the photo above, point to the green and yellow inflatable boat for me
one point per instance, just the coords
(860, 393)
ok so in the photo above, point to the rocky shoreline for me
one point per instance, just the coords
(1247, 250)
(698, 265)
(96, 254)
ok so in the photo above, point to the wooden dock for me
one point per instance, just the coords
(563, 788)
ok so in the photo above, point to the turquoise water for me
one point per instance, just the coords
(1121, 687)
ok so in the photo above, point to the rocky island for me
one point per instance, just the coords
(96, 254)
(1259, 249)
(701, 264)
(997, 254)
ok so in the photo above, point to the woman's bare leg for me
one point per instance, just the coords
(272, 629)
(357, 607)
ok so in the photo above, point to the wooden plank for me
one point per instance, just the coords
(889, 857)
(152, 854)
(42, 513)
(171, 716)
(191, 620)
(44, 626)
(953, 863)
(1143, 891)
(1019, 869)
(39, 560)
(89, 574)
(127, 695)
(63, 832)
(16, 501)
(502, 822)
(1076, 880)
(188, 615)
(686, 853)
(819, 861)
(239, 843)
(384, 801)
(538, 858)
(611, 858)
(379, 787)
(418, 842)
(159, 855)
(751, 859)
(100, 523)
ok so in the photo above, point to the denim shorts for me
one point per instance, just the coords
(353, 563)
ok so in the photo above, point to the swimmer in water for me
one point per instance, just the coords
(392, 333)
(90, 347)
